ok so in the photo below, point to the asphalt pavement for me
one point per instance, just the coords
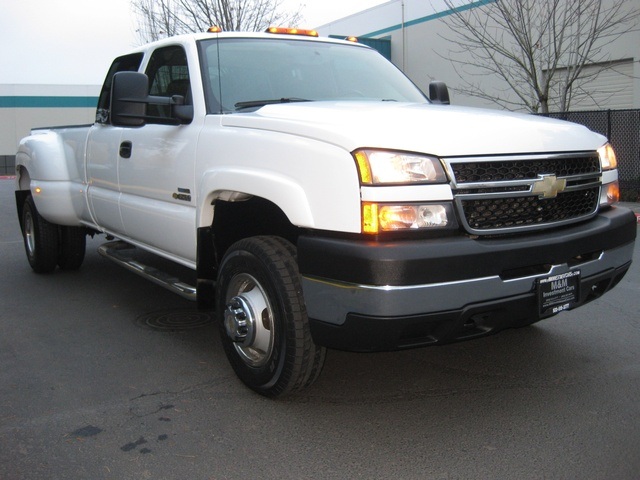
(104, 375)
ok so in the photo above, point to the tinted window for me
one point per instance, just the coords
(127, 63)
(168, 76)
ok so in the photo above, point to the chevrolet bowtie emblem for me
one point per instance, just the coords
(548, 186)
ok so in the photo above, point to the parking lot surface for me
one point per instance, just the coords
(104, 375)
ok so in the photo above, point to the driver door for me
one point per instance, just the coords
(156, 166)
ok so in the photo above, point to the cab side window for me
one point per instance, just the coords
(126, 63)
(168, 76)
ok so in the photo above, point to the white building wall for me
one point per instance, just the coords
(23, 107)
(418, 33)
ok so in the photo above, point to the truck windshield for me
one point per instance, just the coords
(243, 74)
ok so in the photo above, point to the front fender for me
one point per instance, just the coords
(314, 183)
(236, 184)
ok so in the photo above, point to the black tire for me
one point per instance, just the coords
(40, 239)
(73, 244)
(263, 319)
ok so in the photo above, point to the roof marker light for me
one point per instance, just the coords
(292, 31)
(214, 29)
(351, 38)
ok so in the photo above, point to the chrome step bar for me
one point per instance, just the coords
(122, 253)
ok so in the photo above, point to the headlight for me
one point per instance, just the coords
(380, 167)
(610, 193)
(377, 218)
(608, 159)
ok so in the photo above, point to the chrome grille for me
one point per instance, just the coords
(491, 214)
(502, 170)
(497, 195)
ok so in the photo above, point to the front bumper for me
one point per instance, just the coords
(373, 296)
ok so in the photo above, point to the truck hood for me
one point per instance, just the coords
(441, 130)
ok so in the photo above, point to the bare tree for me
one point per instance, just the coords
(163, 18)
(546, 51)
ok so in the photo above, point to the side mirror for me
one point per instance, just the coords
(438, 93)
(181, 112)
(129, 91)
(130, 98)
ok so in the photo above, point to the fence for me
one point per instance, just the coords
(7, 164)
(622, 128)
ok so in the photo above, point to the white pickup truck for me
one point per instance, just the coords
(324, 201)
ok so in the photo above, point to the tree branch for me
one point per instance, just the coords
(537, 48)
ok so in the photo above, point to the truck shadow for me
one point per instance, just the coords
(540, 356)
(529, 358)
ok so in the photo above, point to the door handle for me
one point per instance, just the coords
(125, 149)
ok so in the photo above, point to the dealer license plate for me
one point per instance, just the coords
(557, 293)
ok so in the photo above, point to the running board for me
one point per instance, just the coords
(122, 254)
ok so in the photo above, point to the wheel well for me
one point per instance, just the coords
(234, 221)
(24, 180)
(24, 184)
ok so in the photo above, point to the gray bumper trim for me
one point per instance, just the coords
(330, 301)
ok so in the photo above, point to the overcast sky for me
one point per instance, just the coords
(74, 41)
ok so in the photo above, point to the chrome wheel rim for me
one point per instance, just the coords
(29, 234)
(248, 320)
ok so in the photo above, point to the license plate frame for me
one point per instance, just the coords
(558, 292)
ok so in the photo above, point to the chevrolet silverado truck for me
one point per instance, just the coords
(323, 201)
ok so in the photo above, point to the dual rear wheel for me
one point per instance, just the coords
(49, 245)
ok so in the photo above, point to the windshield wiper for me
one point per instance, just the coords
(262, 103)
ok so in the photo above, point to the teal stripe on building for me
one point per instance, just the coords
(428, 18)
(47, 102)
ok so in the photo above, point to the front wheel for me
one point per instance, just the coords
(263, 319)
